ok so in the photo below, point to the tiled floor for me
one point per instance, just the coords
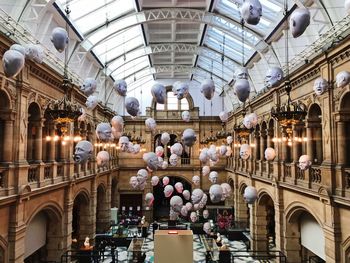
(198, 248)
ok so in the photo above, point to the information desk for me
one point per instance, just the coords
(173, 246)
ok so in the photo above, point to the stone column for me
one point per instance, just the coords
(296, 147)
(8, 141)
(341, 132)
(259, 228)
(38, 142)
(319, 150)
(262, 144)
(310, 139)
(52, 146)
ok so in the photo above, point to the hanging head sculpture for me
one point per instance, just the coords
(208, 88)
(151, 124)
(179, 187)
(181, 90)
(320, 86)
(91, 102)
(245, 151)
(89, 86)
(168, 190)
(104, 131)
(215, 192)
(120, 87)
(149, 198)
(83, 151)
(165, 138)
(250, 194)
(342, 79)
(154, 180)
(251, 11)
(159, 93)
(151, 160)
(241, 73)
(185, 115)
(273, 77)
(270, 154)
(304, 162)
(250, 120)
(34, 53)
(242, 89)
(13, 62)
(299, 20)
(132, 106)
(189, 137)
(102, 159)
(59, 38)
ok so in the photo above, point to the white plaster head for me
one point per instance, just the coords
(89, 86)
(342, 79)
(196, 180)
(165, 180)
(186, 194)
(213, 177)
(102, 158)
(91, 102)
(241, 73)
(181, 90)
(213, 156)
(136, 148)
(245, 151)
(59, 38)
(13, 62)
(165, 165)
(34, 53)
(160, 161)
(347, 6)
(250, 194)
(142, 176)
(242, 89)
(320, 86)
(154, 180)
(168, 190)
(19, 48)
(123, 143)
(120, 87)
(82, 116)
(130, 147)
(205, 170)
(132, 106)
(202, 202)
(226, 190)
(250, 120)
(196, 195)
(215, 193)
(173, 159)
(176, 148)
(185, 115)
(116, 134)
(229, 139)
(298, 22)
(205, 214)
(222, 150)
(173, 215)
(189, 137)
(203, 156)
(104, 131)
(270, 154)
(193, 217)
(118, 123)
(149, 198)
(251, 11)
(273, 77)
(159, 93)
(176, 203)
(151, 160)
(159, 151)
(304, 162)
(133, 182)
(83, 151)
(179, 187)
(151, 124)
(207, 228)
(229, 151)
(165, 138)
(189, 206)
(223, 115)
(208, 88)
(184, 210)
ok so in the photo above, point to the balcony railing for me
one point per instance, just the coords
(48, 171)
(33, 173)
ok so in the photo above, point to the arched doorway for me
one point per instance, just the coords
(82, 219)
(6, 129)
(102, 211)
(114, 193)
(304, 237)
(242, 211)
(161, 205)
(343, 132)
(263, 225)
(44, 237)
(34, 133)
(314, 124)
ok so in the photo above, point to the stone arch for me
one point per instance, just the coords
(34, 133)
(102, 209)
(5, 100)
(292, 236)
(343, 131)
(3, 250)
(314, 124)
(54, 229)
(242, 211)
(82, 217)
(263, 224)
(346, 251)
(344, 105)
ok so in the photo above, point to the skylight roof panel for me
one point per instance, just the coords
(129, 68)
(128, 57)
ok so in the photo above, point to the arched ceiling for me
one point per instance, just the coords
(146, 40)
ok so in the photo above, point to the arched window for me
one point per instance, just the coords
(172, 103)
